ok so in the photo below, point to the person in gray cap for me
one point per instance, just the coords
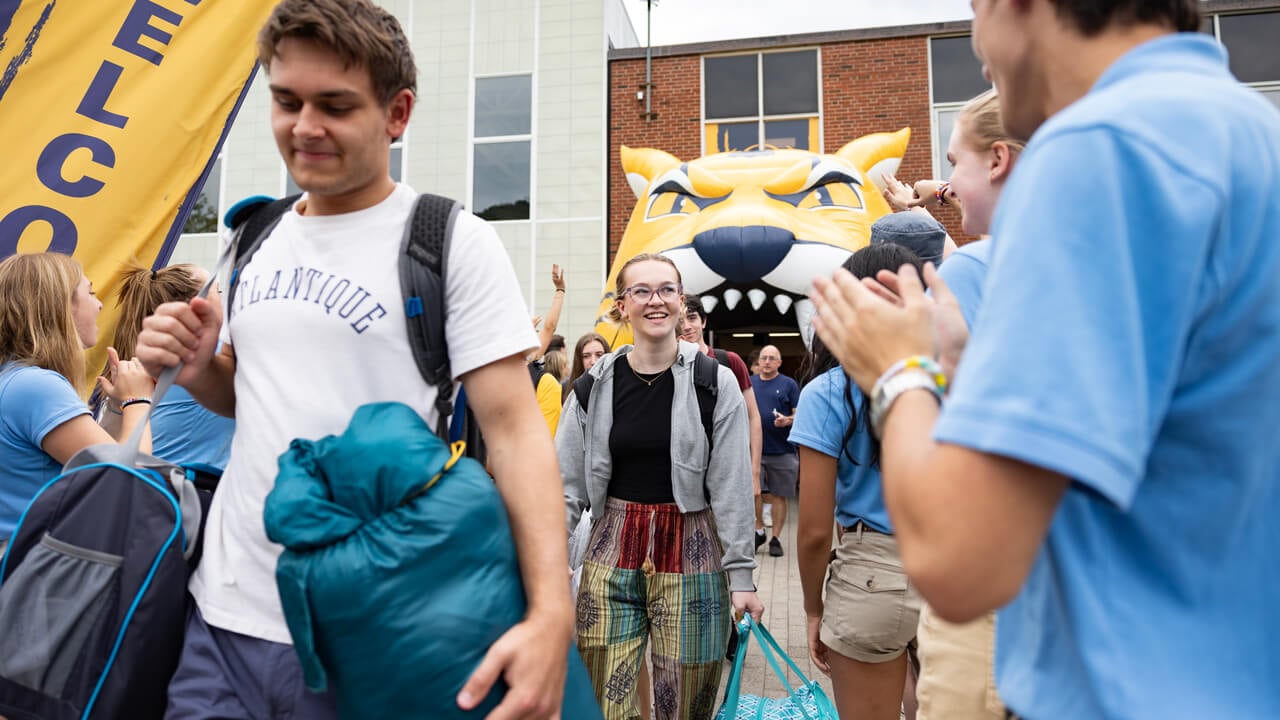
(919, 232)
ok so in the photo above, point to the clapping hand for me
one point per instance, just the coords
(873, 323)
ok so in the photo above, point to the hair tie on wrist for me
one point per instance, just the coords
(134, 401)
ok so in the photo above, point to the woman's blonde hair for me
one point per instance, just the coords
(620, 284)
(142, 290)
(982, 124)
(37, 321)
(554, 363)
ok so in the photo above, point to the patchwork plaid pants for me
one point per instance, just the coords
(652, 572)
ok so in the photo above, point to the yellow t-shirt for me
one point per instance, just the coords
(549, 401)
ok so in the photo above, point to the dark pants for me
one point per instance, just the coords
(227, 676)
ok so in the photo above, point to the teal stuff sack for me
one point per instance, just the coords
(399, 570)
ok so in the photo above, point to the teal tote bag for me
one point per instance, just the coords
(807, 702)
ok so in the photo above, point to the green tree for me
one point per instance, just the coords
(203, 217)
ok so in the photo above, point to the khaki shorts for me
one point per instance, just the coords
(870, 609)
(957, 675)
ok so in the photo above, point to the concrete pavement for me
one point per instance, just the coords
(778, 584)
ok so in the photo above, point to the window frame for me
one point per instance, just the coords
(760, 118)
(500, 139)
(941, 168)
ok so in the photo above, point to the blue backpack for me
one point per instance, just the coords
(93, 589)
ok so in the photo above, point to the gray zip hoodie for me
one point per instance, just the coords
(722, 481)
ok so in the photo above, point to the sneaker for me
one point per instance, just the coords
(761, 538)
(767, 515)
(775, 548)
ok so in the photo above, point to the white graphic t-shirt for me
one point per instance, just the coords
(318, 329)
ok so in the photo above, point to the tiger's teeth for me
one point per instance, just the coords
(732, 297)
(783, 303)
(804, 320)
(709, 303)
(757, 297)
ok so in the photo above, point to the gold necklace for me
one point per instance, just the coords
(643, 379)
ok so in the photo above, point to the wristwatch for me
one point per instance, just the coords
(891, 389)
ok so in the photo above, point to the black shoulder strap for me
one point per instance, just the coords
(722, 356)
(582, 389)
(536, 370)
(251, 229)
(706, 385)
(422, 281)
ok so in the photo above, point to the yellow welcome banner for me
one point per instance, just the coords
(111, 113)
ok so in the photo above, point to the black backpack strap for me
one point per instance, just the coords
(423, 253)
(252, 220)
(536, 370)
(722, 356)
(706, 385)
(582, 389)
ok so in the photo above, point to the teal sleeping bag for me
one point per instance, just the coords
(393, 593)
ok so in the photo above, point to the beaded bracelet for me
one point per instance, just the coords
(911, 373)
(941, 193)
(915, 362)
(134, 401)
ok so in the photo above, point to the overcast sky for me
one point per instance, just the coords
(683, 21)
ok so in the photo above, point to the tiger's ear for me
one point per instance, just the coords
(877, 153)
(642, 165)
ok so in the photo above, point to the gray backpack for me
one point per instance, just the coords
(423, 252)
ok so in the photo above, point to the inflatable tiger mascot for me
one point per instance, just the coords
(750, 230)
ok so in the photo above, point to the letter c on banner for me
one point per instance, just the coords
(13, 225)
(54, 157)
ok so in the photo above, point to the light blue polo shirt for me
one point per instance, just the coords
(1130, 340)
(33, 401)
(822, 418)
(184, 432)
(965, 273)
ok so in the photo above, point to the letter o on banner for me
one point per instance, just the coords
(16, 222)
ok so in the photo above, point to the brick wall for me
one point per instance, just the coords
(677, 101)
(868, 86)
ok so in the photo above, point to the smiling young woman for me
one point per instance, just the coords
(672, 516)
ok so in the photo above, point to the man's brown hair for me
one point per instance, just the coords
(361, 33)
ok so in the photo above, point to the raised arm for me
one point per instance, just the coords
(552, 319)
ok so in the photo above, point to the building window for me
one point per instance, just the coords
(1251, 45)
(1250, 41)
(501, 168)
(956, 78)
(395, 165)
(205, 214)
(761, 100)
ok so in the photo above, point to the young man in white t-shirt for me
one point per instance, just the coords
(317, 330)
